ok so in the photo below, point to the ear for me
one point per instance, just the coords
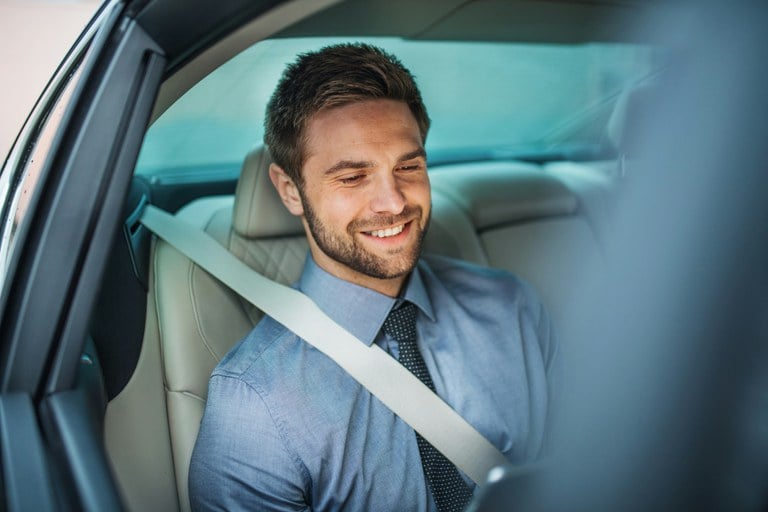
(287, 189)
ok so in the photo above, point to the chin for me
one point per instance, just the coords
(388, 270)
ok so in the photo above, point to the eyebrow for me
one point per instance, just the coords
(362, 164)
(348, 164)
(413, 154)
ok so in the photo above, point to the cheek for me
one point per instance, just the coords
(336, 209)
(421, 195)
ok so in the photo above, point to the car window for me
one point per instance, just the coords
(23, 170)
(491, 99)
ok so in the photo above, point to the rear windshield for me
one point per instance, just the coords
(484, 99)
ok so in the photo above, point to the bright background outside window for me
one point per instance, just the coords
(516, 98)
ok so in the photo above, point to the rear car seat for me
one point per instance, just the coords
(505, 214)
(526, 221)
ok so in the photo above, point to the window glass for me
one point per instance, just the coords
(482, 97)
(21, 175)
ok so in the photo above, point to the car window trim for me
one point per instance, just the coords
(77, 64)
(47, 286)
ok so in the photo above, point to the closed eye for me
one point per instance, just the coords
(416, 166)
(352, 180)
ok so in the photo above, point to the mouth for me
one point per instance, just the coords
(388, 232)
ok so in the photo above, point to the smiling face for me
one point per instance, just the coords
(365, 197)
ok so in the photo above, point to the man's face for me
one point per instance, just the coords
(366, 194)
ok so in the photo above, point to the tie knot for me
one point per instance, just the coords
(401, 323)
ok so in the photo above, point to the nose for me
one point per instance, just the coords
(388, 195)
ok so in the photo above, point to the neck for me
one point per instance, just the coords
(390, 287)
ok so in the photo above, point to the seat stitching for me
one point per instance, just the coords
(198, 320)
(188, 394)
(157, 243)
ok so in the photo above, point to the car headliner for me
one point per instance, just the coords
(178, 28)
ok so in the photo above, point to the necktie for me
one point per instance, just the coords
(449, 490)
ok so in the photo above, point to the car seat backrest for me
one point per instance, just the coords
(263, 233)
(526, 221)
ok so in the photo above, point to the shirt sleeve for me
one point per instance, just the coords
(240, 460)
(542, 368)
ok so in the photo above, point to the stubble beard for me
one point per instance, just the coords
(347, 251)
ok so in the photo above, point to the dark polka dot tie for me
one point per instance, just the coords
(450, 491)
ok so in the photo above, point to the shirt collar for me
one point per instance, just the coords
(359, 310)
(416, 292)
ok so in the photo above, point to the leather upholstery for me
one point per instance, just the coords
(259, 212)
(498, 193)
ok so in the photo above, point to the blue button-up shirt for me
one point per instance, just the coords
(285, 428)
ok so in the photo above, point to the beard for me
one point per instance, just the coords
(345, 248)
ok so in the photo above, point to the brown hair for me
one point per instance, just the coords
(332, 77)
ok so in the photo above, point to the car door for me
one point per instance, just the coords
(63, 187)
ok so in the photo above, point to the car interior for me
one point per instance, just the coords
(160, 324)
(176, 321)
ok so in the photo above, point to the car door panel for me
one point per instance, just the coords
(28, 485)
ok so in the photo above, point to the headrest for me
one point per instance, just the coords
(259, 212)
(502, 192)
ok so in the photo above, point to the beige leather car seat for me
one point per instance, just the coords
(526, 221)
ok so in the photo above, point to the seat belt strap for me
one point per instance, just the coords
(389, 381)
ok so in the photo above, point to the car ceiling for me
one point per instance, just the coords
(185, 28)
(199, 35)
(541, 21)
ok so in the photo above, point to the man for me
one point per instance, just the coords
(285, 428)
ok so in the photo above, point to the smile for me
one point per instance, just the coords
(385, 233)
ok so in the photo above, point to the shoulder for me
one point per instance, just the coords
(448, 268)
(249, 357)
(225, 453)
(490, 297)
(462, 279)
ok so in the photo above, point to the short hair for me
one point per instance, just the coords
(332, 77)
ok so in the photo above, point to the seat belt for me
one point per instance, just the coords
(386, 379)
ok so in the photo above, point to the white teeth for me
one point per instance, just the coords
(383, 233)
